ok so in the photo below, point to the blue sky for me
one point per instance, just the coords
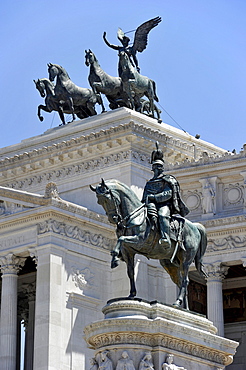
(196, 55)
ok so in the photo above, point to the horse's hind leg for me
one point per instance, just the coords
(182, 299)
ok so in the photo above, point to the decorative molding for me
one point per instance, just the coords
(88, 166)
(226, 221)
(74, 232)
(228, 243)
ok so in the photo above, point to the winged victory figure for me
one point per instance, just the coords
(140, 41)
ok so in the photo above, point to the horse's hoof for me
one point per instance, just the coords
(41, 119)
(132, 295)
(115, 263)
(178, 303)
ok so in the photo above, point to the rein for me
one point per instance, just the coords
(123, 221)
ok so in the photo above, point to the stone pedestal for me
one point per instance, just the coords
(141, 327)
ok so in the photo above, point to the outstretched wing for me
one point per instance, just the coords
(141, 34)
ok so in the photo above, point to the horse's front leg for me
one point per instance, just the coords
(115, 254)
(71, 106)
(131, 275)
(128, 256)
(128, 91)
(118, 248)
(42, 107)
(61, 114)
(98, 95)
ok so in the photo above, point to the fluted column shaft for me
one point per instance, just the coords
(10, 266)
(29, 289)
(216, 274)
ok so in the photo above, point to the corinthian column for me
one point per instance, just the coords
(10, 266)
(216, 274)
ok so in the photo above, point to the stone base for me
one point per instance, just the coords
(137, 326)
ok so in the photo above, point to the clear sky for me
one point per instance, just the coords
(196, 55)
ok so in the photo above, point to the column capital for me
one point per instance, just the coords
(216, 271)
(11, 264)
(33, 254)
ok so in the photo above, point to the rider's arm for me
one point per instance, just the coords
(115, 47)
(163, 196)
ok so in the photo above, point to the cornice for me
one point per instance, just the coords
(91, 144)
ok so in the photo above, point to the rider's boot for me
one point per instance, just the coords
(165, 232)
(115, 259)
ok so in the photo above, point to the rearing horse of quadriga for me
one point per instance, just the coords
(175, 247)
(73, 95)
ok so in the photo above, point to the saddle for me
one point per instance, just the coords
(139, 215)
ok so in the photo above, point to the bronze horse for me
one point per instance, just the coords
(101, 82)
(135, 85)
(72, 94)
(46, 89)
(135, 235)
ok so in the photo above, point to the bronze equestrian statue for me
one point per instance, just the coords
(154, 228)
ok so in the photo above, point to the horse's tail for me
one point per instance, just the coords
(154, 89)
(201, 250)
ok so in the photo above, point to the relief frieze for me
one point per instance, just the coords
(228, 243)
(75, 232)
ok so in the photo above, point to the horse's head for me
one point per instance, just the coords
(53, 71)
(89, 57)
(109, 200)
(40, 86)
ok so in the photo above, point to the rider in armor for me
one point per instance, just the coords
(162, 197)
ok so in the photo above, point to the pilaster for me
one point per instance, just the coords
(48, 349)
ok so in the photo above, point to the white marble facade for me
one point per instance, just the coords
(67, 237)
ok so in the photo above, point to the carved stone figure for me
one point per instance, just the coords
(139, 43)
(104, 362)
(146, 362)
(169, 365)
(94, 364)
(138, 233)
(208, 198)
(125, 363)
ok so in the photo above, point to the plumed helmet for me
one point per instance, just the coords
(121, 36)
(157, 155)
